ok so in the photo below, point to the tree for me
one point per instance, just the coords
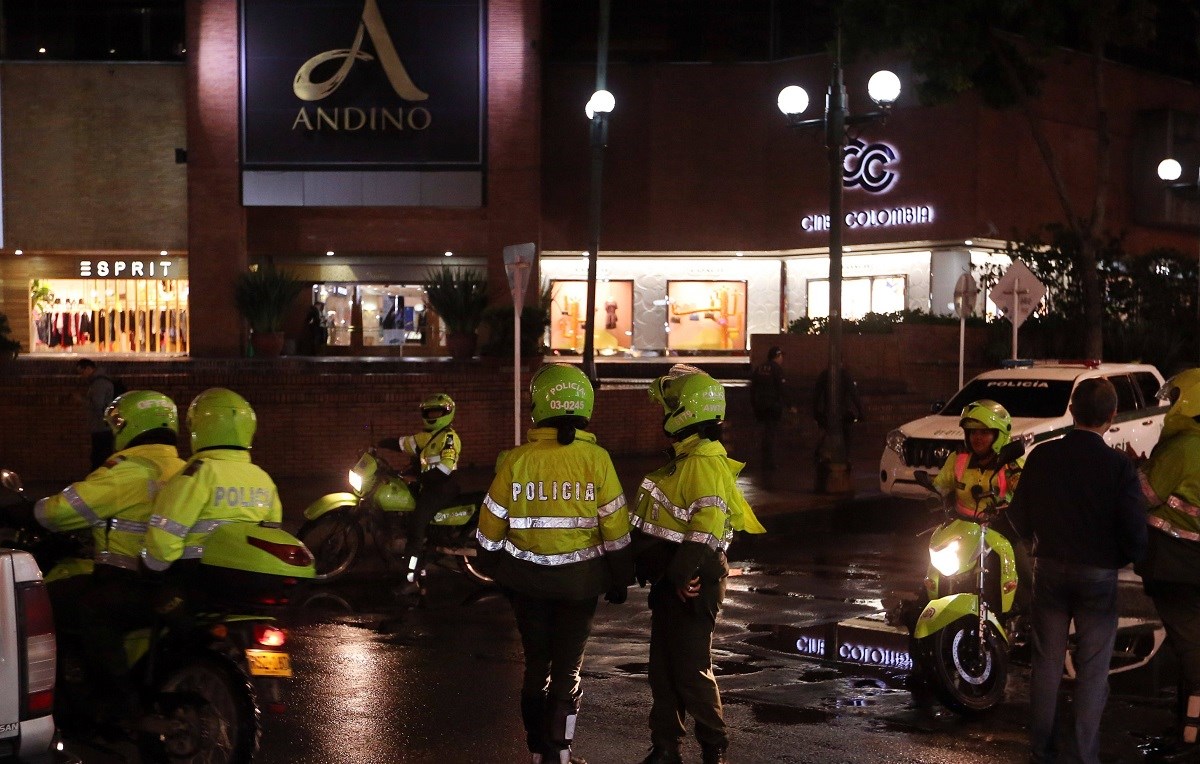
(998, 48)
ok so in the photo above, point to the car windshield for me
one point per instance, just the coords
(1036, 398)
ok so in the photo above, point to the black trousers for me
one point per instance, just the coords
(554, 635)
(681, 675)
(438, 491)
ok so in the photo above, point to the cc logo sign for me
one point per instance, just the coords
(866, 165)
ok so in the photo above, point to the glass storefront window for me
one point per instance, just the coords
(372, 315)
(109, 316)
(706, 315)
(860, 296)
(614, 316)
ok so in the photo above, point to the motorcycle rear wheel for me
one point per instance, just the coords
(335, 540)
(965, 679)
(212, 706)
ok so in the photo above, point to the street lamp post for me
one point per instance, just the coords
(884, 88)
(598, 108)
(1171, 171)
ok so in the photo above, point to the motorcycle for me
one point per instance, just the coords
(203, 680)
(378, 506)
(964, 634)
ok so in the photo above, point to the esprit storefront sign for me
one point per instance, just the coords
(148, 268)
(874, 168)
(360, 84)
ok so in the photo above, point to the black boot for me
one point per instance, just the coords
(663, 756)
(712, 754)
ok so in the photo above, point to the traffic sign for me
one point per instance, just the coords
(965, 292)
(1018, 292)
(518, 262)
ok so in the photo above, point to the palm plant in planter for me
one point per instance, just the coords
(263, 296)
(460, 297)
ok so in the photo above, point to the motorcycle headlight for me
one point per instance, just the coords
(356, 481)
(895, 441)
(945, 557)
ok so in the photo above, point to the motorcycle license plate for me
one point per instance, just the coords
(267, 663)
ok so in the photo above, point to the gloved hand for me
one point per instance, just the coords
(616, 594)
(391, 444)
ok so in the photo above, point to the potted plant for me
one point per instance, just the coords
(460, 297)
(263, 296)
(8, 346)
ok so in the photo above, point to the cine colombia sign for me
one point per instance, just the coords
(361, 84)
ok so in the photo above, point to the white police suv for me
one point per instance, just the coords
(1036, 394)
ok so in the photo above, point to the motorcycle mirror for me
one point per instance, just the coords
(1011, 452)
(11, 481)
(923, 479)
(936, 407)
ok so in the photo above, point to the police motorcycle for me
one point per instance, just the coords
(203, 681)
(964, 633)
(377, 506)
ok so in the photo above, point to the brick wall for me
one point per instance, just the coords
(313, 418)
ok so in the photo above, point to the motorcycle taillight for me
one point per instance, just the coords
(38, 651)
(269, 636)
(292, 554)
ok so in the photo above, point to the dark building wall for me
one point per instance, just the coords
(699, 157)
(89, 157)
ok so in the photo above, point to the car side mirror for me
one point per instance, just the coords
(11, 481)
(1011, 452)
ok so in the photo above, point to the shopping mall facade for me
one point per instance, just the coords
(360, 143)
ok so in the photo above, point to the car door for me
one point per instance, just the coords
(1127, 431)
(1153, 411)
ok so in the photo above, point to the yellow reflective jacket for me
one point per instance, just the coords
(438, 450)
(1171, 486)
(217, 486)
(694, 501)
(961, 473)
(554, 523)
(114, 501)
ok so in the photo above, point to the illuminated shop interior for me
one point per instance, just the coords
(98, 316)
(372, 315)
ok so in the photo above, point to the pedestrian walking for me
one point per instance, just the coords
(1171, 570)
(766, 397)
(98, 393)
(685, 516)
(554, 533)
(1081, 503)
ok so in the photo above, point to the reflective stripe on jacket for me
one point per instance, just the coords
(1171, 485)
(217, 486)
(438, 450)
(115, 501)
(960, 477)
(555, 519)
(693, 501)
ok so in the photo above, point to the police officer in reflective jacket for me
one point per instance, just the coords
(218, 484)
(554, 533)
(1171, 569)
(437, 451)
(684, 519)
(115, 502)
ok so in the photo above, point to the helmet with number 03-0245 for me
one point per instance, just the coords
(689, 396)
(138, 412)
(220, 418)
(559, 389)
(437, 411)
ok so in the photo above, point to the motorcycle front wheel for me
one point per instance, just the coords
(966, 678)
(214, 719)
(335, 540)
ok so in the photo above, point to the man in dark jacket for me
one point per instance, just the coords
(1081, 502)
(766, 396)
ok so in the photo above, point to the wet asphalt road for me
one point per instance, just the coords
(377, 681)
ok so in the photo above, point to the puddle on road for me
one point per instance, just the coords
(720, 667)
(773, 714)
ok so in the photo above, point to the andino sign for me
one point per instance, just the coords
(356, 84)
(872, 167)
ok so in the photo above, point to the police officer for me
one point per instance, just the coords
(976, 470)
(115, 502)
(685, 516)
(554, 533)
(437, 449)
(1171, 569)
(218, 484)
